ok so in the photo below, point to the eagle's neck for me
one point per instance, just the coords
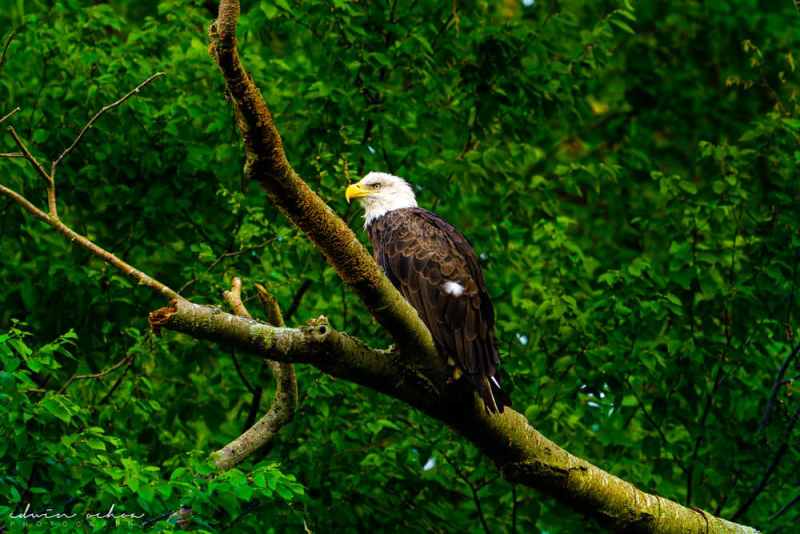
(379, 206)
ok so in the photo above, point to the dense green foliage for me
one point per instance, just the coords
(629, 175)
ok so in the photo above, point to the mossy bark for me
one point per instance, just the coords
(521, 454)
(416, 374)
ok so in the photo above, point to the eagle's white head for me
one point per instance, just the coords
(380, 193)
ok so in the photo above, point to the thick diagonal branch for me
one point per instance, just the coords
(267, 165)
(317, 344)
(521, 453)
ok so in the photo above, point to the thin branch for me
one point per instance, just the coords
(27, 154)
(234, 298)
(549, 14)
(284, 404)
(48, 178)
(114, 386)
(9, 114)
(255, 405)
(778, 382)
(5, 49)
(270, 305)
(225, 255)
(284, 373)
(654, 423)
(790, 304)
(476, 499)
(252, 506)
(786, 508)
(123, 361)
(298, 297)
(768, 473)
(252, 389)
(99, 114)
(26, 205)
(136, 275)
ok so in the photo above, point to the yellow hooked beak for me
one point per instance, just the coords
(356, 191)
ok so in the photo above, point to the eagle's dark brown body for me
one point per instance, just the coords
(420, 253)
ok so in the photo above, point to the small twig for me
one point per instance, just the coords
(157, 519)
(549, 14)
(475, 496)
(778, 382)
(444, 27)
(765, 479)
(241, 374)
(246, 511)
(274, 317)
(270, 305)
(234, 298)
(99, 114)
(255, 405)
(5, 48)
(785, 508)
(297, 298)
(48, 178)
(122, 362)
(26, 205)
(654, 423)
(10, 113)
(138, 276)
(402, 161)
(225, 255)
(114, 387)
(27, 154)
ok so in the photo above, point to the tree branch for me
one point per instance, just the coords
(98, 115)
(298, 297)
(267, 165)
(9, 114)
(768, 473)
(283, 405)
(778, 383)
(138, 276)
(419, 377)
(127, 359)
(522, 454)
(52, 219)
(5, 48)
(413, 371)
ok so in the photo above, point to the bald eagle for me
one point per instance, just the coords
(435, 268)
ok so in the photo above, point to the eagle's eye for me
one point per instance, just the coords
(376, 186)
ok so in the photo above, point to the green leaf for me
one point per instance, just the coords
(622, 25)
(689, 187)
(794, 124)
(96, 444)
(284, 492)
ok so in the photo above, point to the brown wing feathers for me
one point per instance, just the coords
(420, 253)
